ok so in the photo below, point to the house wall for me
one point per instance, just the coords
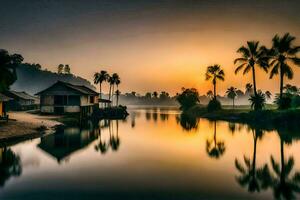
(47, 100)
(67, 109)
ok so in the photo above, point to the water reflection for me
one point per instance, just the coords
(155, 144)
(10, 165)
(279, 176)
(215, 148)
(66, 141)
(248, 173)
(187, 122)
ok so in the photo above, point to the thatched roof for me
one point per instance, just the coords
(78, 88)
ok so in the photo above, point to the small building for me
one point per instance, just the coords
(64, 97)
(104, 103)
(3, 106)
(21, 101)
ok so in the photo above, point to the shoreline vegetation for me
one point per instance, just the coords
(265, 119)
(279, 60)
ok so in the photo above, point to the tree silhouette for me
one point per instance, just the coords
(268, 94)
(258, 101)
(10, 165)
(115, 80)
(249, 89)
(231, 93)
(284, 184)
(114, 140)
(117, 95)
(214, 73)
(8, 64)
(214, 148)
(210, 94)
(60, 68)
(249, 174)
(282, 54)
(67, 69)
(253, 56)
(99, 78)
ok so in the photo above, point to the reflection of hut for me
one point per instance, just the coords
(21, 101)
(103, 103)
(3, 106)
(65, 142)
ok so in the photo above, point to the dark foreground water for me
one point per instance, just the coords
(154, 154)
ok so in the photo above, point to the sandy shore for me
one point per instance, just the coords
(23, 125)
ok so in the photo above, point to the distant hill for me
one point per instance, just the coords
(32, 79)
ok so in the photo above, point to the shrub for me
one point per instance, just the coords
(296, 101)
(214, 105)
(188, 98)
(258, 101)
(284, 102)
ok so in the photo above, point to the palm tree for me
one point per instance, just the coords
(268, 94)
(218, 148)
(117, 95)
(253, 56)
(210, 94)
(282, 54)
(231, 93)
(249, 174)
(8, 64)
(249, 88)
(214, 73)
(291, 89)
(111, 83)
(258, 101)
(99, 78)
(115, 80)
(155, 94)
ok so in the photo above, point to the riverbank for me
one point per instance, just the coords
(264, 119)
(23, 125)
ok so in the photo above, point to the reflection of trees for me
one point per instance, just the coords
(102, 146)
(114, 140)
(248, 177)
(164, 116)
(188, 122)
(10, 165)
(215, 148)
(148, 116)
(283, 183)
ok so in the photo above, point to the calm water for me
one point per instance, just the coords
(154, 154)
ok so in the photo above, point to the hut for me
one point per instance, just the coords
(62, 97)
(21, 101)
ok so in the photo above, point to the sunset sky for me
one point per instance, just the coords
(153, 45)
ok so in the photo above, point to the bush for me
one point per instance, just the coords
(188, 98)
(258, 101)
(296, 101)
(284, 102)
(214, 105)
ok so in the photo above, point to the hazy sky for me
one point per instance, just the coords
(152, 45)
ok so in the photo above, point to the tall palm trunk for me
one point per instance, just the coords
(117, 103)
(215, 90)
(215, 134)
(281, 81)
(254, 80)
(254, 156)
(100, 90)
(109, 91)
(282, 174)
(112, 96)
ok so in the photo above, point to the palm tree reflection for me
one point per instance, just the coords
(114, 140)
(248, 177)
(10, 165)
(282, 181)
(215, 148)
